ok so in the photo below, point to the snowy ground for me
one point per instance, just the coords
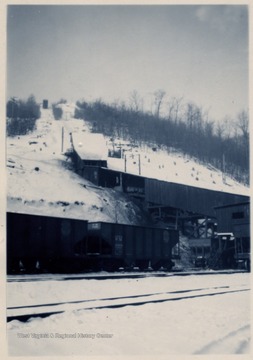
(158, 163)
(218, 324)
(39, 181)
(176, 168)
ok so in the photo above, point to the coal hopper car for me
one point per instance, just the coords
(36, 242)
(45, 243)
(110, 246)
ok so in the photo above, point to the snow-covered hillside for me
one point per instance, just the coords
(174, 167)
(39, 179)
(155, 162)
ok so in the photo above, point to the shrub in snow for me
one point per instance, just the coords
(22, 116)
(20, 126)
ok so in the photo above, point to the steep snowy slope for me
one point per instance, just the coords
(155, 162)
(40, 181)
(39, 178)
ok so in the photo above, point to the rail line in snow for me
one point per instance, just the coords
(23, 313)
(116, 275)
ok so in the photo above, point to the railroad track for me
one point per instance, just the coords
(23, 313)
(116, 275)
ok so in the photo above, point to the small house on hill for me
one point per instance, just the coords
(89, 155)
(91, 149)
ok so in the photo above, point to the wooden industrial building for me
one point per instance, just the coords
(179, 199)
(231, 245)
(199, 213)
(234, 218)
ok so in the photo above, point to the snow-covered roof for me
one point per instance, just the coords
(90, 146)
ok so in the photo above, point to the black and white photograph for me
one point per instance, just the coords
(126, 179)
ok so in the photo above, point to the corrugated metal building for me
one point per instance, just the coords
(189, 198)
(234, 218)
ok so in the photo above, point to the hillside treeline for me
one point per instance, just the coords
(21, 115)
(188, 131)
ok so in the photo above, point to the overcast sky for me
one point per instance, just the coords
(90, 52)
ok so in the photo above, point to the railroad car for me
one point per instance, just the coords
(56, 244)
(43, 242)
(110, 246)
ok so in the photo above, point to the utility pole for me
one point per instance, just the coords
(139, 155)
(223, 168)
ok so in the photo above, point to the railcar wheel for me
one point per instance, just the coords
(156, 266)
(142, 264)
(169, 265)
(29, 265)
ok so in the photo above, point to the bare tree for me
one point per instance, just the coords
(224, 128)
(242, 123)
(119, 104)
(228, 125)
(135, 101)
(208, 128)
(174, 108)
(159, 96)
(220, 129)
(194, 116)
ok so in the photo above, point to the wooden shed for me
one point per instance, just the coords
(91, 149)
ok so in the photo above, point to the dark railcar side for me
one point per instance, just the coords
(42, 241)
(111, 245)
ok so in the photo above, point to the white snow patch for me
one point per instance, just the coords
(205, 325)
(176, 168)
